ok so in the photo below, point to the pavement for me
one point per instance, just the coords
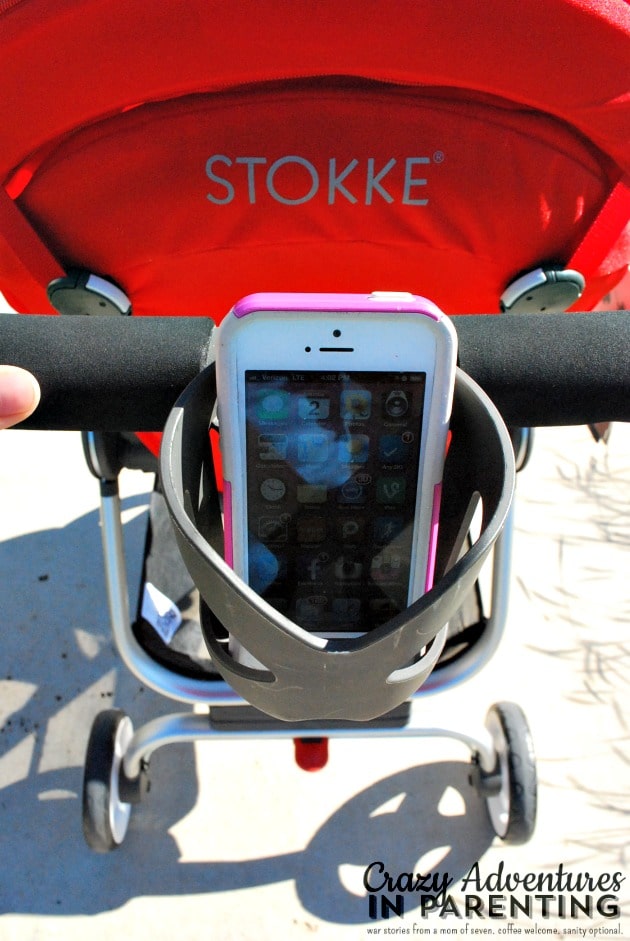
(234, 841)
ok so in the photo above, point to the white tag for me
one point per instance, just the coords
(161, 613)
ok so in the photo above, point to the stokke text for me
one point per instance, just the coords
(293, 180)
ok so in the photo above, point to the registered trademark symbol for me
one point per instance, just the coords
(438, 156)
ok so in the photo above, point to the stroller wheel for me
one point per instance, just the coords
(512, 806)
(105, 815)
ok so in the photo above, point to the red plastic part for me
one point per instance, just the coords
(311, 754)
(151, 440)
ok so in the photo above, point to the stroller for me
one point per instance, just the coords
(469, 157)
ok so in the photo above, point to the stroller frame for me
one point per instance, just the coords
(490, 746)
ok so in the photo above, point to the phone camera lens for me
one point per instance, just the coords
(336, 333)
(307, 349)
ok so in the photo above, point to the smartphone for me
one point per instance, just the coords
(333, 417)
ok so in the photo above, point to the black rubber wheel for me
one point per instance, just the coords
(105, 816)
(512, 810)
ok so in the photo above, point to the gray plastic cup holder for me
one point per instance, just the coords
(306, 677)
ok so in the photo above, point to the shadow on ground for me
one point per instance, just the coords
(58, 668)
(46, 810)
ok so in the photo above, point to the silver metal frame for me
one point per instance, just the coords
(192, 726)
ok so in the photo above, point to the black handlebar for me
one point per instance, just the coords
(106, 373)
(124, 373)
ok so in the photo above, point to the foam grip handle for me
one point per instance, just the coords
(106, 373)
(125, 373)
(550, 369)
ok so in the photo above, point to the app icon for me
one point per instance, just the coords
(313, 407)
(356, 405)
(273, 528)
(348, 568)
(310, 609)
(273, 489)
(346, 609)
(388, 566)
(393, 449)
(272, 447)
(312, 448)
(311, 529)
(311, 567)
(353, 491)
(350, 529)
(272, 405)
(397, 403)
(391, 489)
(353, 449)
(311, 493)
(387, 528)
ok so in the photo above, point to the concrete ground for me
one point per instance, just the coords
(234, 842)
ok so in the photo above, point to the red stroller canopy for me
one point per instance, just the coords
(197, 152)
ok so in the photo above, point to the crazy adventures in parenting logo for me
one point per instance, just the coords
(513, 896)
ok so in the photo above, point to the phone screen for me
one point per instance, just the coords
(332, 462)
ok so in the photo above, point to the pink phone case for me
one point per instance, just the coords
(351, 303)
